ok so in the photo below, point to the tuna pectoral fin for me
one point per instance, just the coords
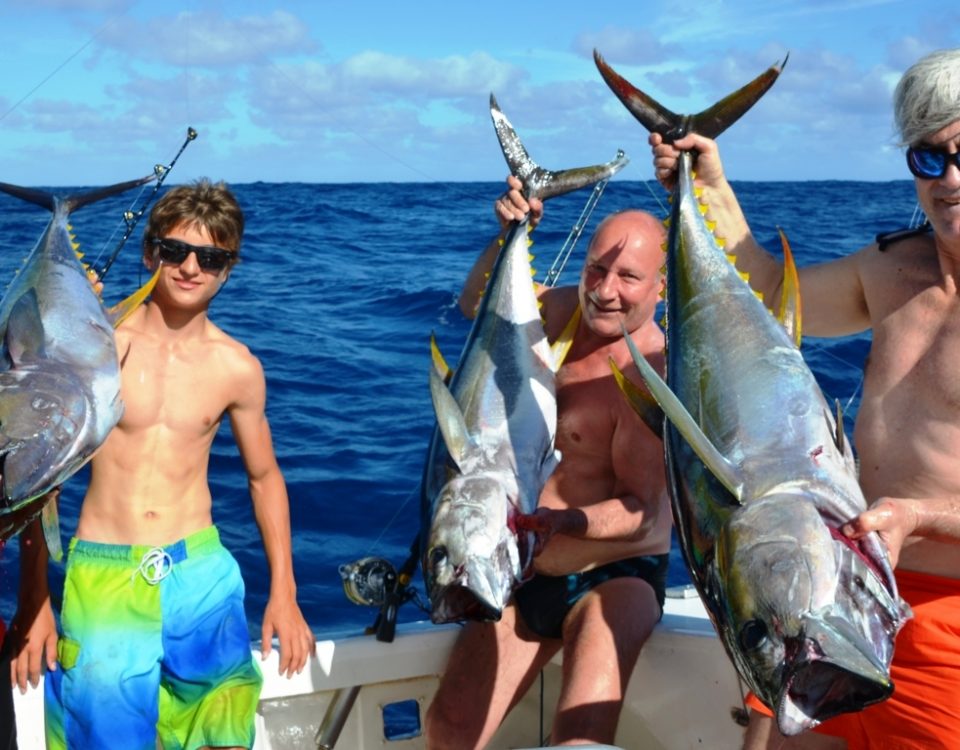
(789, 314)
(450, 421)
(123, 310)
(50, 520)
(675, 411)
(642, 402)
(25, 328)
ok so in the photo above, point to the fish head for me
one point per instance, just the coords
(474, 557)
(44, 421)
(809, 616)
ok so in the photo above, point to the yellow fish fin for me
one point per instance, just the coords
(789, 314)
(124, 309)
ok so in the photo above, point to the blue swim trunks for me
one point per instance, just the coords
(154, 644)
(544, 601)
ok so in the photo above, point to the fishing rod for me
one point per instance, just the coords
(560, 262)
(132, 217)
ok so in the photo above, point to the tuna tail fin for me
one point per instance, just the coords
(539, 182)
(711, 122)
(49, 201)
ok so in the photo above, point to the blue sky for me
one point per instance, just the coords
(97, 91)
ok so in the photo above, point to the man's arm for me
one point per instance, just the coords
(831, 293)
(511, 206)
(896, 518)
(34, 628)
(573, 539)
(271, 509)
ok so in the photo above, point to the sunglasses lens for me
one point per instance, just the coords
(927, 163)
(212, 260)
(208, 258)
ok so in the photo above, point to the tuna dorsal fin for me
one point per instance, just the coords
(790, 310)
(537, 181)
(561, 347)
(450, 421)
(642, 402)
(439, 363)
(124, 309)
(710, 122)
(50, 521)
(686, 425)
(840, 438)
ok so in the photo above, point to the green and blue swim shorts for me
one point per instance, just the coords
(154, 645)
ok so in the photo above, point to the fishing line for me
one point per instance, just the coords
(560, 262)
(392, 520)
(132, 217)
(68, 59)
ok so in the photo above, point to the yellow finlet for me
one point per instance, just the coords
(124, 309)
(789, 314)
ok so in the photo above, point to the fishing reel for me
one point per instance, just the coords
(374, 582)
(368, 581)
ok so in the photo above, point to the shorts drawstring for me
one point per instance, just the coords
(155, 565)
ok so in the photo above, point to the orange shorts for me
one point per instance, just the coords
(924, 711)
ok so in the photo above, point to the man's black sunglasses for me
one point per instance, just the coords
(209, 258)
(929, 163)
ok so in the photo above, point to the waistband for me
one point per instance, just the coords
(199, 541)
(916, 582)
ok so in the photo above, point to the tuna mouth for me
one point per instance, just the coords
(819, 691)
(457, 602)
(831, 670)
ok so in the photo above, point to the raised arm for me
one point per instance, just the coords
(831, 293)
(271, 508)
(511, 206)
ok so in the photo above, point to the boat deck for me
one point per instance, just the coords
(683, 694)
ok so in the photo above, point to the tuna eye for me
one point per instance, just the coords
(752, 634)
(438, 556)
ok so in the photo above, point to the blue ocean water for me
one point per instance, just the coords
(338, 292)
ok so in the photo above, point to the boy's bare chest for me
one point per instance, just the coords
(161, 389)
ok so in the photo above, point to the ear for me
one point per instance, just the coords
(151, 259)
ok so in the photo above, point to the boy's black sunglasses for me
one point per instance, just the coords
(929, 163)
(209, 258)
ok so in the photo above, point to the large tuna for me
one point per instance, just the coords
(493, 447)
(59, 370)
(760, 472)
